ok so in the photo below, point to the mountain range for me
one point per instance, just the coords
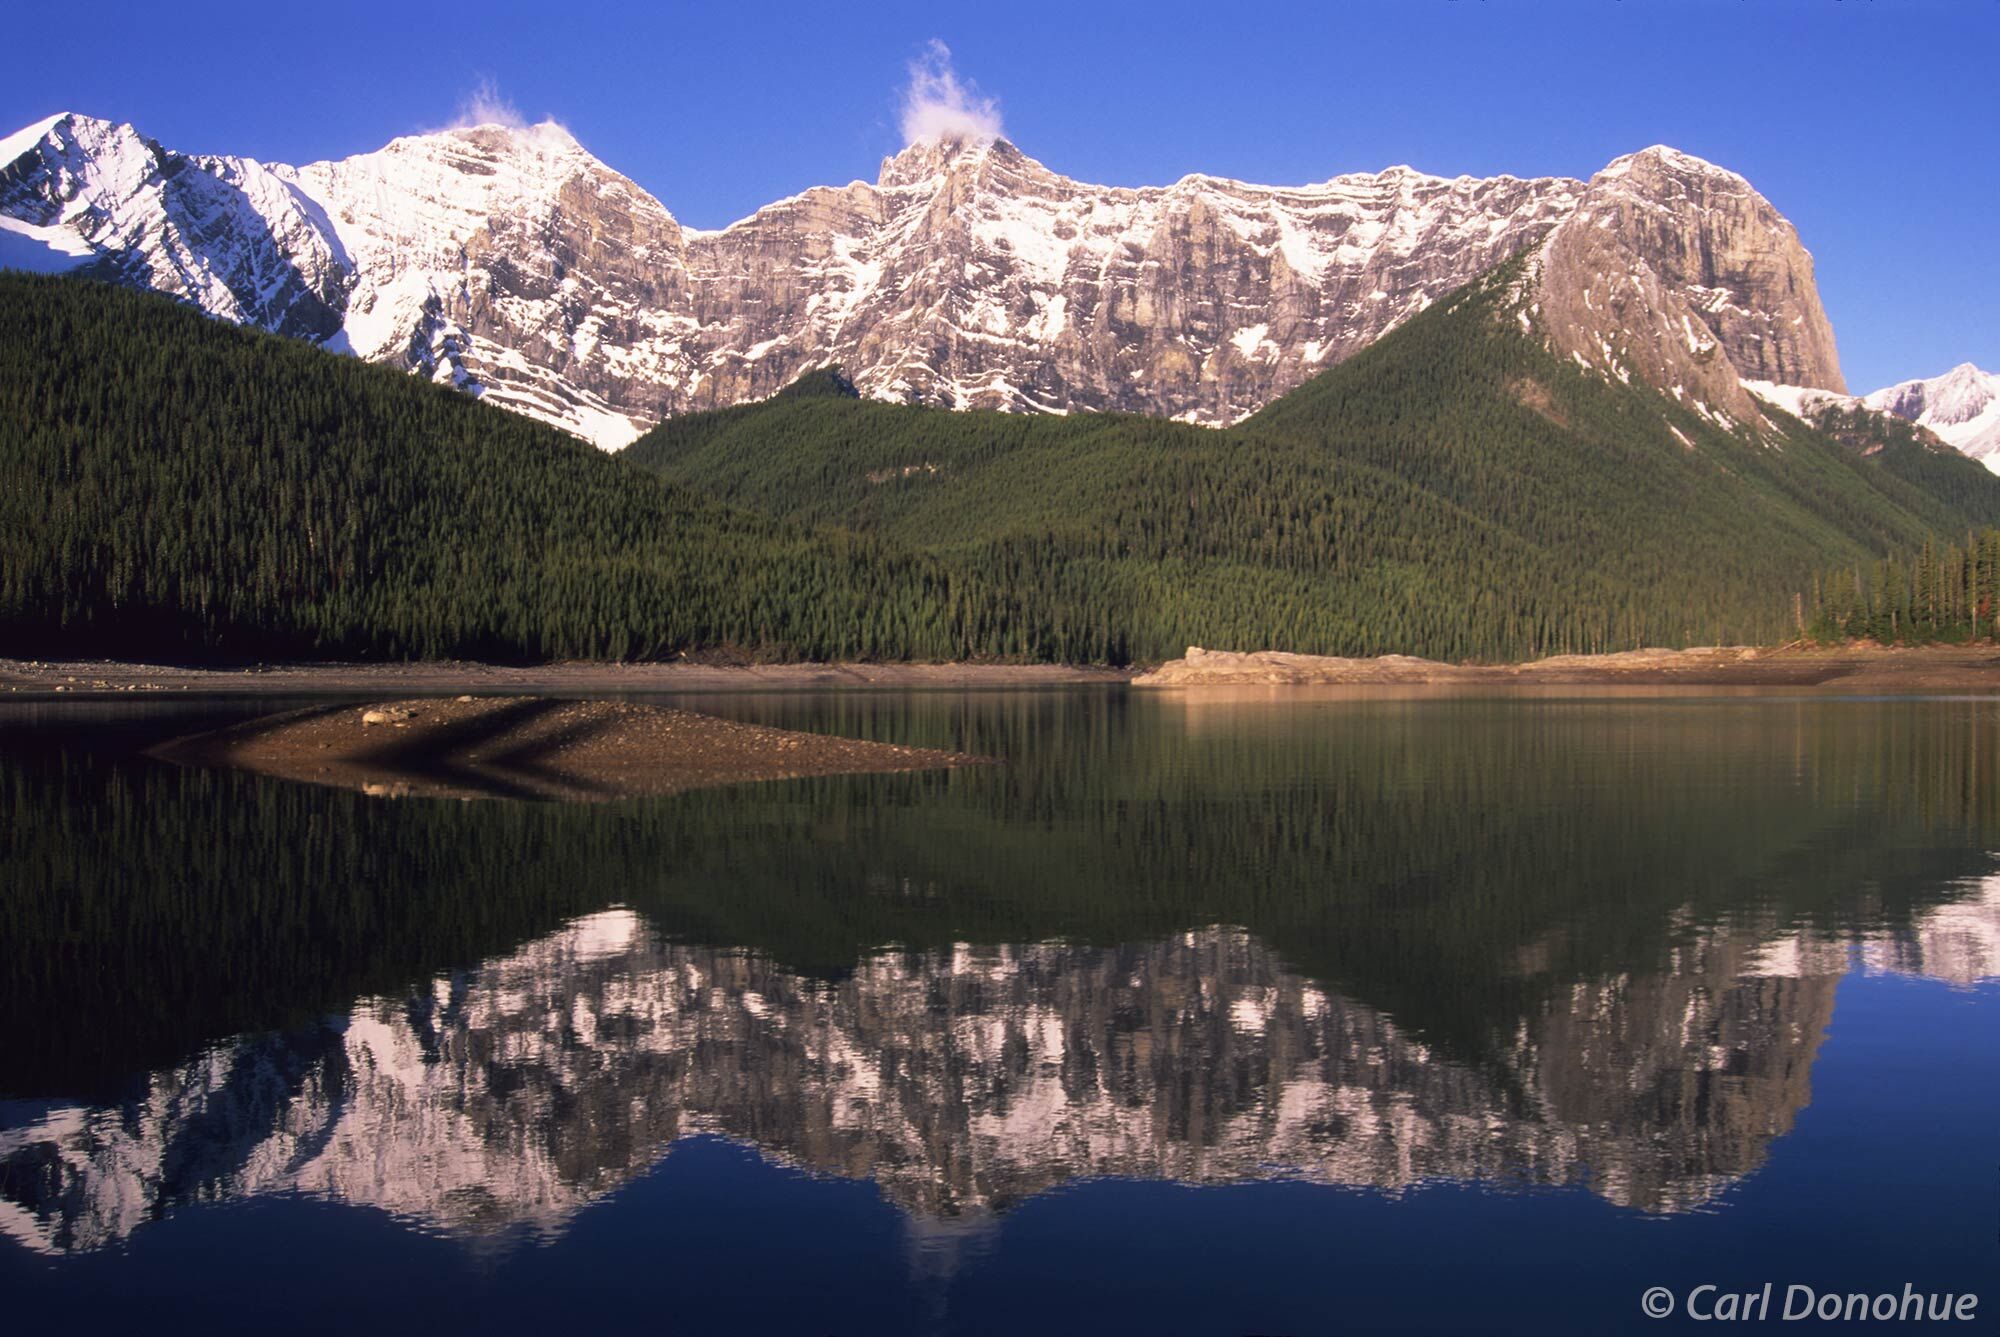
(934, 416)
(509, 261)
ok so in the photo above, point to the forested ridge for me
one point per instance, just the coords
(1453, 491)
(174, 487)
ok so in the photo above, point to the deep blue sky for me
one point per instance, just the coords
(1870, 123)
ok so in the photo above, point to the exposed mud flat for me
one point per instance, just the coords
(533, 748)
(1849, 668)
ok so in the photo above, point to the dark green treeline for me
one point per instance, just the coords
(1948, 592)
(175, 488)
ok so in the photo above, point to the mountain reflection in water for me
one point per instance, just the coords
(513, 1094)
(1373, 945)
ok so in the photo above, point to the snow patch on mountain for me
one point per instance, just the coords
(40, 249)
(1801, 401)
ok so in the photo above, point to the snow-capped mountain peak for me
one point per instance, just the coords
(18, 143)
(459, 232)
(1666, 157)
(1962, 406)
(225, 233)
(930, 159)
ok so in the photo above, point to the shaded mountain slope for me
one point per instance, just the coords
(171, 486)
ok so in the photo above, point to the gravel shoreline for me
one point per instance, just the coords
(21, 678)
(1848, 668)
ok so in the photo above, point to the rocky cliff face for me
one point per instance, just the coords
(513, 263)
(509, 1096)
(972, 276)
(1676, 271)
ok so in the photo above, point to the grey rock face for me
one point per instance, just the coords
(512, 262)
(972, 276)
(1678, 272)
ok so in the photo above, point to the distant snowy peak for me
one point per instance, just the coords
(510, 262)
(28, 137)
(35, 233)
(1962, 407)
(447, 254)
(1686, 165)
(1958, 411)
(1961, 396)
(225, 233)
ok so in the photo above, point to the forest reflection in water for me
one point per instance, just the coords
(1372, 944)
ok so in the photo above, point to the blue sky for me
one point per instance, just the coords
(1870, 123)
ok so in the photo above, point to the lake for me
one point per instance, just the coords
(1290, 1013)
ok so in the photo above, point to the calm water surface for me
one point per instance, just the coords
(1299, 1014)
